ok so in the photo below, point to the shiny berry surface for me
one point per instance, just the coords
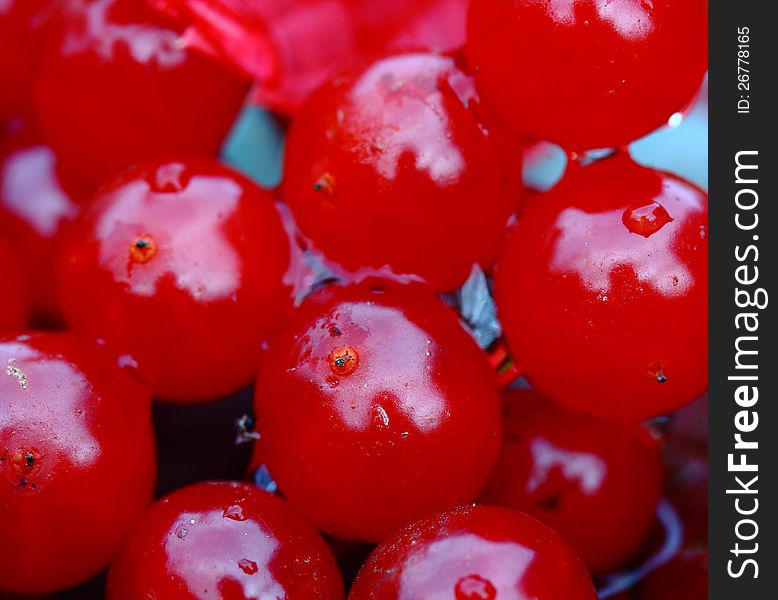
(116, 87)
(213, 541)
(598, 68)
(77, 461)
(595, 482)
(474, 553)
(288, 46)
(181, 266)
(14, 309)
(23, 29)
(389, 165)
(602, 291)
(37, 202)
(375, 408)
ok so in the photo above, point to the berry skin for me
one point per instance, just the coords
(23, 29)
(602, 291)
(116, 88)
(597, 483)
(389, 165)
(683, 578)
(13, 300)
(180, 265)
(375, 407)
(289, 47)
(37, 201)
(598, 68)
(224, 540)
(77, 460)
(474, 553)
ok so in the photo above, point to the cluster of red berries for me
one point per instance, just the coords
(135, 265)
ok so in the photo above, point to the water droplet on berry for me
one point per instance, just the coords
(169, 178)
(234, 513)
(249, 567)
(182, 533)
(657, 371)
(645, 218)
(325, 185)
(475, 587)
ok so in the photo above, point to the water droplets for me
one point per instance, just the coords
(234, 513)
(475, 587)
(249, 567)
(646, 218)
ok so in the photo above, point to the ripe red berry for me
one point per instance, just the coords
(597, 483)
(23, 29)
(116, 87)
(587, 73)
(37, 201)
(602, 291)
(181, 265)
(474, 553)
(77, 460)
(224, 540)
(13, 300)
(375, 407)
(389, 165)
(289, 46)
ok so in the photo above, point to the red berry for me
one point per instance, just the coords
(77, 460)
(37, 201)
(116, 87)
(595, 482)
(23, 29)
(375, 407)
(474, 553)
(587, 73)
(13, 300)
(602, 291)
(389, 165)
(290, 47)
(181, 265)
(224, 540)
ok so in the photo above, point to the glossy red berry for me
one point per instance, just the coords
(587, 73)
(474, 553)
(77, 460)
(23, 29)
(375, 407)
(37, 202)
(602, 291)
(290, 47)
(595, 482)
(117, 87)
(389, 165)
(13, 301)
(224, 540)
(180, 265)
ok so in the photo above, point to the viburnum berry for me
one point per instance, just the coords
(181, 265)
(587, 73)
(389, 164)
(224, 540)
(374, 408)
(37, 201)
(474, 553)
(116, 87)
(24, 25)
(77, 462)
(14, 309)
(595, 482)
(288, 46)
(602, 291)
